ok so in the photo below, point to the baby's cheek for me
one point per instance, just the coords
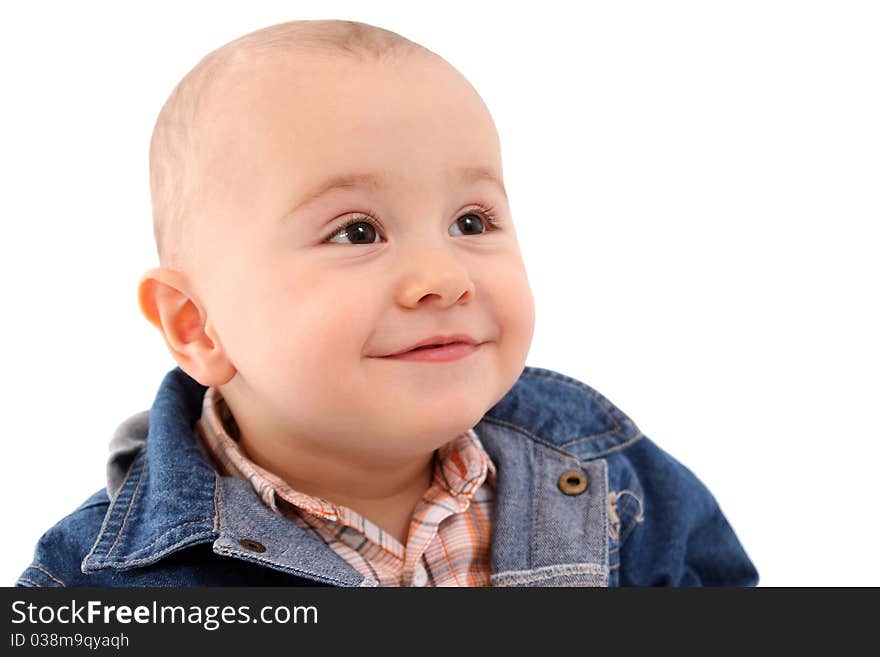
(513, 300)
(517, 321)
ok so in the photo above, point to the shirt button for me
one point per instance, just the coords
(420, 577)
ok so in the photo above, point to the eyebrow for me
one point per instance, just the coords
(374, 181)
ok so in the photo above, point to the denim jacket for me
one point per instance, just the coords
(582, 498)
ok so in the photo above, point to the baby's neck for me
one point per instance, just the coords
(395, 521)
(391, 512)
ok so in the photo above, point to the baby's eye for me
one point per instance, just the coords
(358, 230)
(472, 223)
(363, 229)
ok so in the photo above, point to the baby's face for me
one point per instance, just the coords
(306, 312)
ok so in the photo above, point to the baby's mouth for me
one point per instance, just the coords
(437, 353)
(437, 342)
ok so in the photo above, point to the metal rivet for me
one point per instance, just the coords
(573, 482)
(253, 546)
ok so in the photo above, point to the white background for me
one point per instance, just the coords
(695, 190)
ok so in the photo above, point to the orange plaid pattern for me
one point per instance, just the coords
(451, 528)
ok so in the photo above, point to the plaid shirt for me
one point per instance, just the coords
(450, 530)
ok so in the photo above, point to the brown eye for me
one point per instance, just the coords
(470, 224)
(360, 233)
(475, 223)
(357, 231)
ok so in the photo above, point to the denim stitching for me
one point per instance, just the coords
(594, 394)
(218, 504)
(579, 458)
(104, 561)
(93, 505)
(130, 505)
(163, 535)
(48, 574)
(215, 525)
(613, 448)
(576, 461)
(587, 439)
(580, 386)
(539, 462)
(110, 510)
(549, 572)
(29, 581)
(158, 555)
(220, 549)
(606, 521)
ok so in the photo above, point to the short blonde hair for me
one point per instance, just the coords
(174, 178)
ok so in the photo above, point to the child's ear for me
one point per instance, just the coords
(165, 300)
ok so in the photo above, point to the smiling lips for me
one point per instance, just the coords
(451, 351)
(438, 348)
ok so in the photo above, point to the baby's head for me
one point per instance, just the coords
(260, 156)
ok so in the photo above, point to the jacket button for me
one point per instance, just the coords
(253, 546)
(572, 482)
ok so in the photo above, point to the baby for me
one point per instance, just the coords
(341, 286)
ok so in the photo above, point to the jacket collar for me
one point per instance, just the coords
(547, 424)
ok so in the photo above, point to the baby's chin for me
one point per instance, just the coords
(446, 415)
